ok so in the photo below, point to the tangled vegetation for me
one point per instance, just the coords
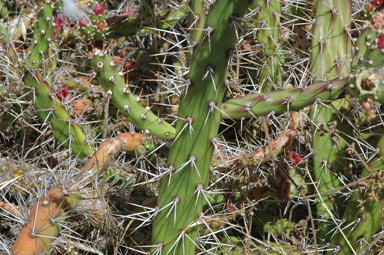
(191, 127)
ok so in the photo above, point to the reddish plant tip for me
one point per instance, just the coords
(101, 25)
(83, 22)
(380, 42)
(377, 21)
(293, 158)
(98, 9)
(377, 3)
(62, 94)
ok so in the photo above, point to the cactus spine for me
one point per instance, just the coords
(181, 190)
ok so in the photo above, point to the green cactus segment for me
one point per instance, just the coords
(3, 10)
(268, 19)
(127, 103)
(268, 25)
(41, 36)
(197, 19)
(181, 196)
(326, 152)
(173, 17)
(4, 34)
(363, 215)
(280, 101)
(49, 108)
(330, 58)
(367, 52)
(331, 44)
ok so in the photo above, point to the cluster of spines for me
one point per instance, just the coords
(115, 87)
(182, 189)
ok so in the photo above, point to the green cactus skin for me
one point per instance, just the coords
(124, 100)
(363, 215)
(280, 101)
(197, 18)
(41, 36)
(366, 52)
(331, 44)
(268, 22)
(50, 109)
(330, 58)
(180, 199)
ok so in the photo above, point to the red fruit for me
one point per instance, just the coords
(293, 157)
(380, 42)
(101, 25)
(59, 21)
(83, 22)
(98, 9)
(377, 3)
(62, 94)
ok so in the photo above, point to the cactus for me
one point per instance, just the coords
(50, 109)
(268, 22)
(201, 205)
(330, 58)
(363, 215)
(123, 99)
(44, 222)
(41, 36)
(180, 200)
(197, 19)
(282, 100)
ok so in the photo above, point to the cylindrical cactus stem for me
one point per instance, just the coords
(280, 101)
(268, 24)
(49, 108)
(330, 58)
(197, 19)
(363, 215)
(182, 188)
(331, 42)
(43, 224)
(369, 48)
(110, 148)
(41, 35)
(126, 102)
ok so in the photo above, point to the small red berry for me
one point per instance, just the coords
(377, 3)
(101, 25)
(380, 42)
(293, 158)
(83, 22)
(98, 9)
(62, 94)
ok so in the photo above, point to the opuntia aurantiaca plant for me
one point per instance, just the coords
(228, 74)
